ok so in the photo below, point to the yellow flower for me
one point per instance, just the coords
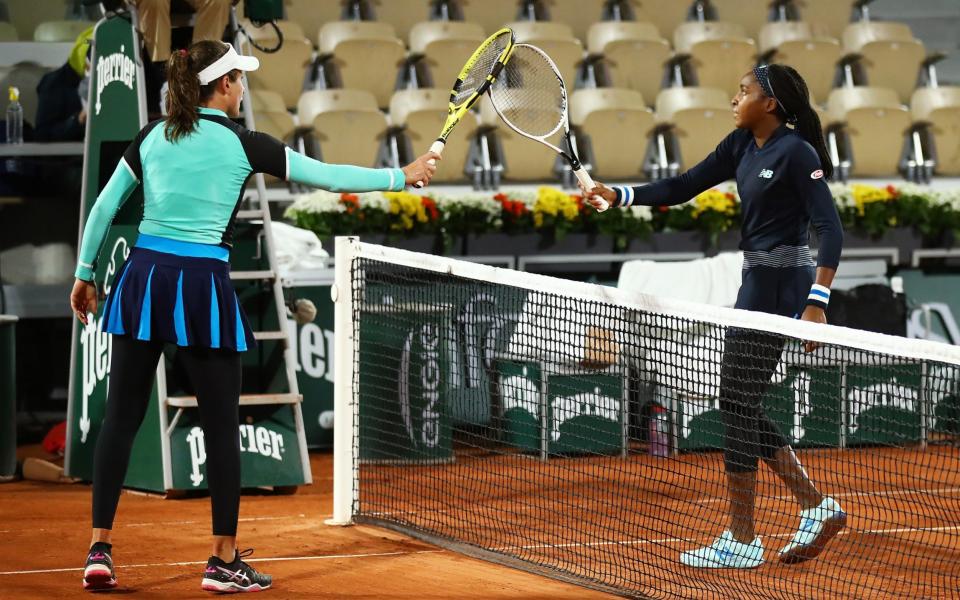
(868, 194)
(714, 200)
(555, 203)
(409, 207)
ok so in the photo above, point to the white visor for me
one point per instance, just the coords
(226, 63)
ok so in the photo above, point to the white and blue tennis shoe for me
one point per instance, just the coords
(726, 553)
(818, 526)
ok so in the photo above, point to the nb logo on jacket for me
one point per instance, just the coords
(766, 174)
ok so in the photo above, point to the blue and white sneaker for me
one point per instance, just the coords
(725, 553)
(818, 526)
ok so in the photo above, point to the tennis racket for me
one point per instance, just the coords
(531, 99)
(480, 70)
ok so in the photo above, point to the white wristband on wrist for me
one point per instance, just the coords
(819, 296)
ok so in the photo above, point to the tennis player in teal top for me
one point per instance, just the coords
(175, 286)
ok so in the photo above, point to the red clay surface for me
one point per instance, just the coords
(45, 527)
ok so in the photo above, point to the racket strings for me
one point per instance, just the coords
(529, 95)
(481, 68)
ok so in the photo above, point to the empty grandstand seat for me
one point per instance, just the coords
(347, 124)
(270, 114)
(446, 46)
(752, 14)
(489, 14)
(579, 15)
(25, 15)
(700, 117)
(60, 31)
(523, 159)
(792, 43)
(891, 55)
(8, 33)
(618, 123)
(667, 15)
(876, 123)
(402, 14)
(556, 39)
(826, 17)
(367, 55)
(283, 71)
(635, 54)
(720, 52)
(422, 113)
(311, 14)
(940, 107)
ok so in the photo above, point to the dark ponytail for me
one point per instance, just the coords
(184, 92)
(794, 107)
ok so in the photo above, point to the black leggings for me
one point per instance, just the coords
(749, 362)
(215, 375)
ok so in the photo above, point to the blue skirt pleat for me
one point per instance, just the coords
(182, 300)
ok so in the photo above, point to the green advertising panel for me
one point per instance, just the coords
(117, 113)
(521, 396)
(404, 382)
(586, 413)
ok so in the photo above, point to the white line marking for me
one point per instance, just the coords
(203, 562)
(952, 490)
(168, 523)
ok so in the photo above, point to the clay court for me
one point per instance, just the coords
(161, 544)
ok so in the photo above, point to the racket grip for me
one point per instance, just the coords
(587, 182)
(436, 147)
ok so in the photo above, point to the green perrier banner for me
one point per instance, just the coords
(116, 114)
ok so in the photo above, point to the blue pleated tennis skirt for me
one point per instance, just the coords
(776, 290)
(177, 292)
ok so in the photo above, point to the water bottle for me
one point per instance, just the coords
(659, 438)
(14, 118)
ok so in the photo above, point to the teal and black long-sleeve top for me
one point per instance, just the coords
(192, 188)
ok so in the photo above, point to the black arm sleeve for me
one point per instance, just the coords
(266, 153)
(806, 176)
(131, 155)
(717, 167)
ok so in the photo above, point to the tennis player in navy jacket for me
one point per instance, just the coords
(779, 159)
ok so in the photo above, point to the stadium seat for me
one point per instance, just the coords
(700, 117)
(876, 123)
(422, 112)
(446, 46)
(792, 43)
(940, 108)
(283, 71)
(826, 17)
(60, 31)
(721, 52)
(402, 14)
(26, 15)
(347, 124)
(751, 14)
(311, 14)
(635, 54)
(8, 33)
(891, 55)
(490, 14)
(618, 123)
(556, 39)
(579, 15)
(667, 15)
(270, 114)
(367, 55)
(523, 159)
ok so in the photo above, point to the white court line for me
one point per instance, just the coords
(203, 562)
(166, 523)
(682, 540)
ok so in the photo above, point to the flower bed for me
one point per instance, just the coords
(866, 211)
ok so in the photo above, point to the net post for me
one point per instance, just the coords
(344, 424)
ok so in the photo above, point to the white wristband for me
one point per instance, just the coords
(819, 295)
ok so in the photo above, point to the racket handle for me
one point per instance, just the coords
(587, 182)
(436, 147)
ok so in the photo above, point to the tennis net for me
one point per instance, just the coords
(578, 431)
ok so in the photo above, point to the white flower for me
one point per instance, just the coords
(374, 201)
(486, 204)
(320, 201)
(842, 195)
(642, 212)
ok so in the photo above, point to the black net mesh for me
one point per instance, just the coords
(590, 440)
(481, 68)
(528, 93)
